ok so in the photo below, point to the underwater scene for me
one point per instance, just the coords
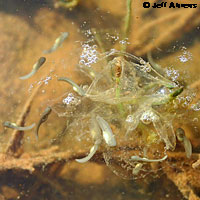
(100, 99)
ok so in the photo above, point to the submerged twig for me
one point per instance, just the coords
(29, 161)
(146, 35)
(156, 22)
(181, 23)
(15, 140)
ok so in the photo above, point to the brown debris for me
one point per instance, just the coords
(9, 193)
(180, 171)
(182, 174)
(193, 196)
(196, 165)
(29, 161)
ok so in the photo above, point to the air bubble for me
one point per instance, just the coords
(129, 118)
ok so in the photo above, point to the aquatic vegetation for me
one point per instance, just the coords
(126, 101)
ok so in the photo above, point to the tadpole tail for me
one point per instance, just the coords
(137, 158)
(78, 89)
(90, 155)
(36, 66)
(36, 132)
(58, 42)
(49, 50)
(26, 128)
(28, 75)
(19, 128)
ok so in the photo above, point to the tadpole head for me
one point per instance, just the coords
(177, 92)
